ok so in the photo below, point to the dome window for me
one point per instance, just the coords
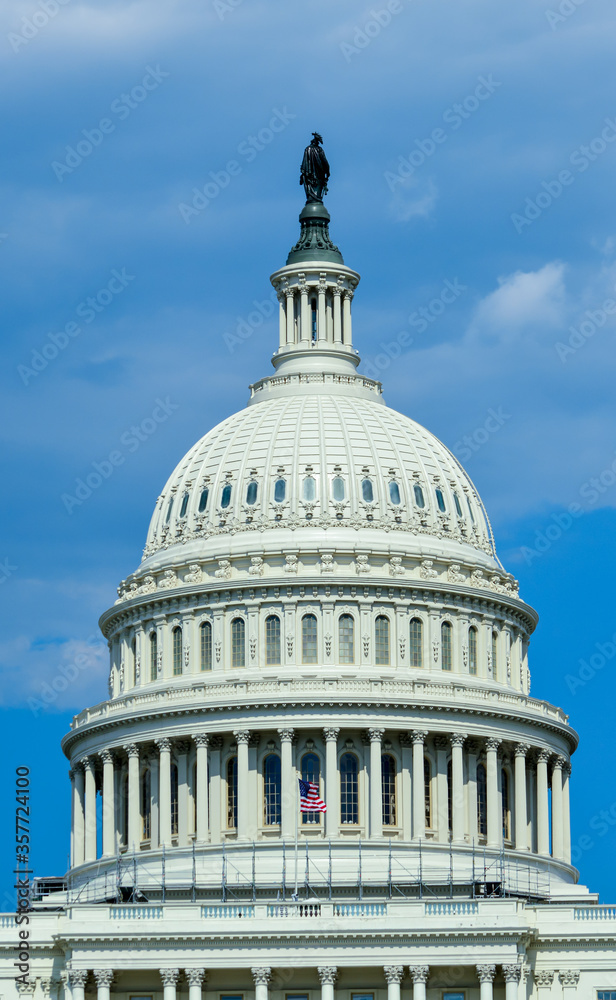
(238, 643)
(203, 500)
(416, 644)
(366, 491)
(472, 650)
(272, 789)
(309, 488)
(338, 489)
(251, 493)
(272, 640)
(394, 492)
(456, 501)
(440, 499)
(346, 639)
(381, 641)
(446, 646)
(184, 505)
(419, 496)
(309, 639)
(169, 509)
(280, 490)
(177, 651)
(226, 495)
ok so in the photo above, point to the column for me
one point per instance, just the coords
(71, 776)
(182, 762)
(337, 315)
(543, 981)
(511, 975)
(169, 978)
(282, 320)
(419, 797)
(79, 818)
(493, 800)
(321, 321)
(376, 783)
(328, 975)
(290, 317)
(442, 789)
(569, 981)
(521, 820)
(346, 318)
(557, 807)
(242, 738)
(90, 809)
(566, 814)
(332, 792)
(164, 795)
(304, 312)
(134, 813)
(195, 979)
(419, 975)
(215, 790)
(458, 811)
(289, 788)
(486, 978)
(201, 792)
(394, 974)
(77, 981)
(543, 821)
(109, 819)
(261, 976)
(154, 802)
(104, 979)
(407, 786)
(471, 752)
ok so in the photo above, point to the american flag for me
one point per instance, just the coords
(309, 800)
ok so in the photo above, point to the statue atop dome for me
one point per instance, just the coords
(314, 170)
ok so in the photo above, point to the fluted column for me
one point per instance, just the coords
(202, 742)
(109, 817)
(77, 979)
(327, 975)
(290, 312)
(511, 974)
(304, 312)
(419, 798)
(288, 784)
(486, 978)
(242, 738)
(181, 748)
(495, 820)
(170, 979)
(321, 321)
(261, 975)
(543, 818)
(557, 807)
(332, 794)
(347, 336)
(521, 820)
(407, 785)
(104, 979)
(458, 811)
(195, 979)
(337, 315)
(376, 783)
(419, 975)
(134, 833)
(471, 757)
(282, 320)
(164, 797)
(79, 818)
(90, 810)
(566, 814)
(394, 974)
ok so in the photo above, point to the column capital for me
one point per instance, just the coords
(568, 978)
(458, 739)
(286, 735)
(261, 974)
(558, 760)
(521, 750)
(327, 974)
(242, 736)
(376, 735)
(419, 973)
(492, 743)
(543, 756)
(544, 977)
(169, 976)
(88, 763)
(104, 977)
(567, 767)
(107, 756)
(201, 740)
(195, 977)
(394, 973)
(418, 736)
(131, 749)
(486, 973)
(511, 973)
(330, 733)
(78, 977)
(163, 744)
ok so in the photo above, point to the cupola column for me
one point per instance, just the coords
(90, 809)
(201, 791)
(419, 975)
(282, 319)
(78, 815)
(394, 974)
(332, 796)
(521, 822)
(376, 783)
(566, 814)
(288, 784)
(321, 321)
(347, 333)
(109, 817)
(493, 800)
(557, 807)
(337, 314)
(164, 797)
(134, 833)
(458, 810)
(486, 975)
(242, 738)
(543, 821)
(290, 313)
(419, 798)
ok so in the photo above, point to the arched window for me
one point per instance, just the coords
(272, 640)
(472, 650)
(349, 788)
(311, 771)
(203, 500)
(366, 490)
(440, 500)
(416, 643)
(251, 493)
(309, 639)
(449, 796)
(205, 633)
(388, 787)
(419, 495)
(505, 798)
(184, 505)
(280, 490)
(146, 805)
(338, 488)
(456, 501)
(446, 645)
(271, 790)
(177, 651)
(495, 655)
(153, 655)
(169, 509)
(346, 639)
(428, 791)
(394, 492)
(482, 800)
(309, 488)
(232, 793)
(381, 640)
(225, 499)
(238, 643)
(174, 800)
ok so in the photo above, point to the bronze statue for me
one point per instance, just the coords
(315, 170)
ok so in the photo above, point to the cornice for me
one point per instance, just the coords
(505, 936)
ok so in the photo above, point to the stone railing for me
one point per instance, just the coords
(594, 913)
(449, 909)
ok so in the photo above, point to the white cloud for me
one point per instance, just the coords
(408, 202)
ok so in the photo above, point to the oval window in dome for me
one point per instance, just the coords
(251, 494)
(184, 505)
(456, 500)
(440, 499)
(394, 492)
(419, 496)
(203, 500)
(309, 488)
(225, 500)
(338, 488)
(366, 490)
(280, 490)
(470, 509)
(169, 509)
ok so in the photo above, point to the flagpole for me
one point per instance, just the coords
(296, 831)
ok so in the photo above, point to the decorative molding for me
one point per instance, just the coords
(511, 973)
(196, 977)
(104, 977)
(394, 973)
(486, 973)
(169, 976)
(544, 977)
(568, 978)
(419, 973)
(327, 974)
(261, 975)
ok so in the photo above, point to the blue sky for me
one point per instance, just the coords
(469, 143)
